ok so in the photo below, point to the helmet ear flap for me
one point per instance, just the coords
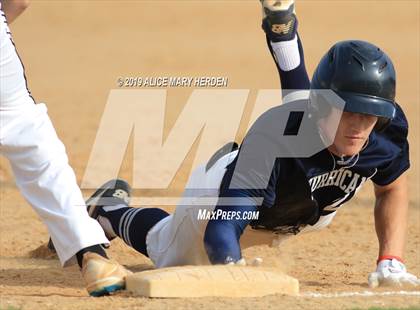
(318, 105)
(381, 124)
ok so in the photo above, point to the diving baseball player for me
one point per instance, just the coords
(353, 131)
(40, 166)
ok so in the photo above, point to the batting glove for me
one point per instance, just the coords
(392, 272)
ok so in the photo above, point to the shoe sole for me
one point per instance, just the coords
(283, 7)
(107, 290)
(103, 288)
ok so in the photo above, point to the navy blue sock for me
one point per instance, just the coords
(133, 224)
(98, 249)
(296, 78)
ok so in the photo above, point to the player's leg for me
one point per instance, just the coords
(280, 25)
(168, 240)
(44, 177)
(39, 161)
(109, 205)
(48, 183)
(130, 224)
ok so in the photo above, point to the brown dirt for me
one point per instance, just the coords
(75, 51)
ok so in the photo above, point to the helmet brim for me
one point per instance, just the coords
(365, 104)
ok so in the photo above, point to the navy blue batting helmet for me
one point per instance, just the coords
(362, 75)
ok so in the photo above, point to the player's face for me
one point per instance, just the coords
(352, 133)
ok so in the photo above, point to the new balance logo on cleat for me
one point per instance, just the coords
(282, 28)
(122, 194)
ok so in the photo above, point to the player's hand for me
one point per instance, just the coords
(391, 272)
(257, 261)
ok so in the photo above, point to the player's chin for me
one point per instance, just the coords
(351, 146)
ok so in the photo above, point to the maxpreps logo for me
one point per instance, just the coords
(206, 215)
(133, 127)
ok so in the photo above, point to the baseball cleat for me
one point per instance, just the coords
(101, 275)
(50, 246)
(110, 195)
(279, 19)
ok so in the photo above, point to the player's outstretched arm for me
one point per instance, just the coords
(391, 224)
(13, 8)
(221, 238)
(391, 216)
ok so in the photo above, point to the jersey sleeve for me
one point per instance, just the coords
(395, 144)
(243, 190)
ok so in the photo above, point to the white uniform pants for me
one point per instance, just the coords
(39, 161)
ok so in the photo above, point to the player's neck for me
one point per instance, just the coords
(333, 150)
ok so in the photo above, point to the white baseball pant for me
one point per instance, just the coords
(39, 161)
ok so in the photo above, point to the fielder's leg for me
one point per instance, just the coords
(39, 160)
(48, 183)
(44, 177)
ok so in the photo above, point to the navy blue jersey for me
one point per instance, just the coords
(324, 178)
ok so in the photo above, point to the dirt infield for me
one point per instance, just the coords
(75, 51)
